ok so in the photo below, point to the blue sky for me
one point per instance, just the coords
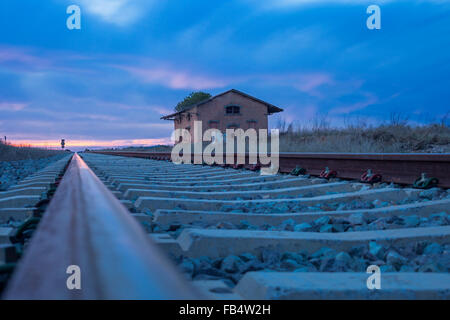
(133, 60)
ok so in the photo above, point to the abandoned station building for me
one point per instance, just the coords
(229, 110)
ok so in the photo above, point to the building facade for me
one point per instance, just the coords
(229, 110)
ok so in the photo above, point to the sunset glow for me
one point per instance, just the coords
(82, 144)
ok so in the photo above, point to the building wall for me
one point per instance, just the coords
(186, 120)
(213, 114)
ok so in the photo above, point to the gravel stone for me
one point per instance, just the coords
(247, 257)
(356, 219)
(395, 259)
(231, 264)
(411, 221)
(292, 256)
(387, 268)
(11, 172)
(327, 228)
(289, 264)
(430, 194)
(302, 227)
(270, 256)
(376, 250)
(433, 248)
(343, 258)
(322, 220)
(324, 252)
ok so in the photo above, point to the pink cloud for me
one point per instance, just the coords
(310, 82)
(175, 79)
(12, 106)
(370, 99)
(163, 111)
(23, 60)
(8, 54)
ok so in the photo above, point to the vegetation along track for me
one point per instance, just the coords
(235, 235)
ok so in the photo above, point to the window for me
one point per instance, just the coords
(233, 126)
(232, 109)
(252, 124)
(213, 124)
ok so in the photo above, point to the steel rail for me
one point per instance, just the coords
(85, 225)
(403, 168)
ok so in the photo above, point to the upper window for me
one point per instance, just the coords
(232, 109)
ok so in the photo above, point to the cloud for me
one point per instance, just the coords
(29, 60)
(118, 12)
(163, 111)
(8, 54)
(175, 79)
(357, 106)
(309, 83)
(12, 106)
(290, 114)
(20, 57)
(287, 4)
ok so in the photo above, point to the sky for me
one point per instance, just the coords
(109, 83)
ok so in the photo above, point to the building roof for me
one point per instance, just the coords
(272, 108)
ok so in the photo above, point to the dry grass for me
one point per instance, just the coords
(159, 148)
(12, 153)
(393, 137)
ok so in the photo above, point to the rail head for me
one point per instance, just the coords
(86, 226)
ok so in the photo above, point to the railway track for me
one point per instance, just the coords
(402, 168)
(233, 234)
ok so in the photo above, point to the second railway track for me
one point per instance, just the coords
(237, 235)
